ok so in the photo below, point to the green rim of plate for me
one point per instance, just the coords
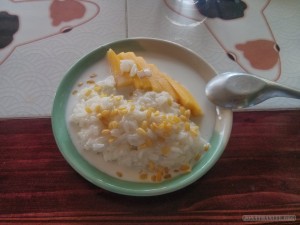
(100, 179)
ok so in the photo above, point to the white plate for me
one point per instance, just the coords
(178, 62)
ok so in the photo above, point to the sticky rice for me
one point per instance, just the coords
(145, 131)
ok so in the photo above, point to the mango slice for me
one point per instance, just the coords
(157, 82)
(186, 99)
(122, 80)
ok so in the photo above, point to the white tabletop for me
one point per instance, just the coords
(45, 45)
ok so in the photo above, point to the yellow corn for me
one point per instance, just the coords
(114, 112)
(88, 109)
(154, 126)
(132, 108)
(185, 168)
(111, 140)
(144, 125)
(113, 124)
(105, 132)
(88, 92)
(90, 81)
(151, 166)
(148, 115)
(97, 88)
(182, 110)
(156, 113)
(187, 126)
(153, 178)
(143, 176)
(170, 102)
(197, 157)
(122, 111)
(165, 150)
(176, 119)
(141, 131)
(183, 118)
(118, 98)
(206, 147)
(187, 113)
(119, 174)
(97, 109)
(105, 113)
(158, 176)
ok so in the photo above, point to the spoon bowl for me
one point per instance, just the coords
(235, 90)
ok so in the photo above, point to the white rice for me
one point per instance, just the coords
(170, 144)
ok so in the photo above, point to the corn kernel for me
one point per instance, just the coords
(93, 75)
(194, 132)
(148, 115)
(183, 118)
(111, 140)
(206, 147)
(132, 108)
(74, 92)
(151, 166)
(187, 126)
(167, 176)
(105, 132)
(165, 150)
(114, 112)
(97, 109)
(144, 125)
(141, 131)
(113, 124)
(187, 113)
(118, 98)
(97, 88)
(158, 176)
(143, 176)
(88, 92)
(80, 84)
(176, 119)
(170, 101)
(105, 113)
(99, 115)
(122, 112)
(119, 174)
(185, 168)
(182, 110)
(154, 126)
(197, 156)
(90, 81)
(102, 95)
(88, 109)
(156, 113)
(153, 178)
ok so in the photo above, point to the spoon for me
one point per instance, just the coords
(235, 90)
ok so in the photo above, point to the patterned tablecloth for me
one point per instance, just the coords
(41, 39)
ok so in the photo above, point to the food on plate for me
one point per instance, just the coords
(128, 69)
(136, 122)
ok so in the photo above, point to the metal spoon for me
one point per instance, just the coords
(239, 90)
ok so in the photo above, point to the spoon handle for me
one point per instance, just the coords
(283, 91)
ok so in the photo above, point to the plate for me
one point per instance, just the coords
(177, 61)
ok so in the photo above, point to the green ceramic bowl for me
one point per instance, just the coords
(177, 61)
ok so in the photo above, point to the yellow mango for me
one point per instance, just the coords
(122, 80)
(139, 82)
(186, 99)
